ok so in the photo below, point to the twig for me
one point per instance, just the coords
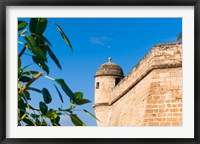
(23, 50)
(29, 83)
(50, 78)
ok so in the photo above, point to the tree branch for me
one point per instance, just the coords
(29, 83)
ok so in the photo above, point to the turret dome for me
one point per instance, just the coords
(110, 69)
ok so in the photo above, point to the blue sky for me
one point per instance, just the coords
(126, 40)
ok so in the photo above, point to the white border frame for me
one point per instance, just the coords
(186, 12)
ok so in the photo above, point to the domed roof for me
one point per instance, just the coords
(109, 69)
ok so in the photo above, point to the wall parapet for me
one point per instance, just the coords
(160, 56)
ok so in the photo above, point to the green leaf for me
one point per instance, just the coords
(38, 25)
(46, 95)
(21, 25)
(24, 79)
(27, 66)
(41, 64)
(43, 123)
(21, 106)
(55, 121)
(27, 94)
(66, 89)
(44, 39)
(35, 116)
(19, 85)
(78, 95)
(30, 72)
(54, 58)
(82, 101)
(68, 110)
(59, 113)
(91, 114)
(28, 121)
(64, 36)
(20, 71)
(25, 99)
(34, 89)
(60, 96)
(37, 122)
(179, 37)
(32, 46)
(19, 62)
(79, 99)
(51, 114)
(76, 121)
(43, 108)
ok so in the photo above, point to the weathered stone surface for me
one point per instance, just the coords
(150, 95)
(109, 69)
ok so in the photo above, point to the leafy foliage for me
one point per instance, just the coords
(38, 25)
(21, 25)
(179, 37)
(76, 120)
(39, 46)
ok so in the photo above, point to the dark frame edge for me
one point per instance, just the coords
(101, 2)
(102, 141)
(196, 74)
(3, 72)
(4, 140)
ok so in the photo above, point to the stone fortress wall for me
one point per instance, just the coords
(150, 95)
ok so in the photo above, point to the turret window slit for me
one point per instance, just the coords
(97, 85)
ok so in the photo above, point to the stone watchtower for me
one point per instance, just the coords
(107, 77)
(149, 95)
